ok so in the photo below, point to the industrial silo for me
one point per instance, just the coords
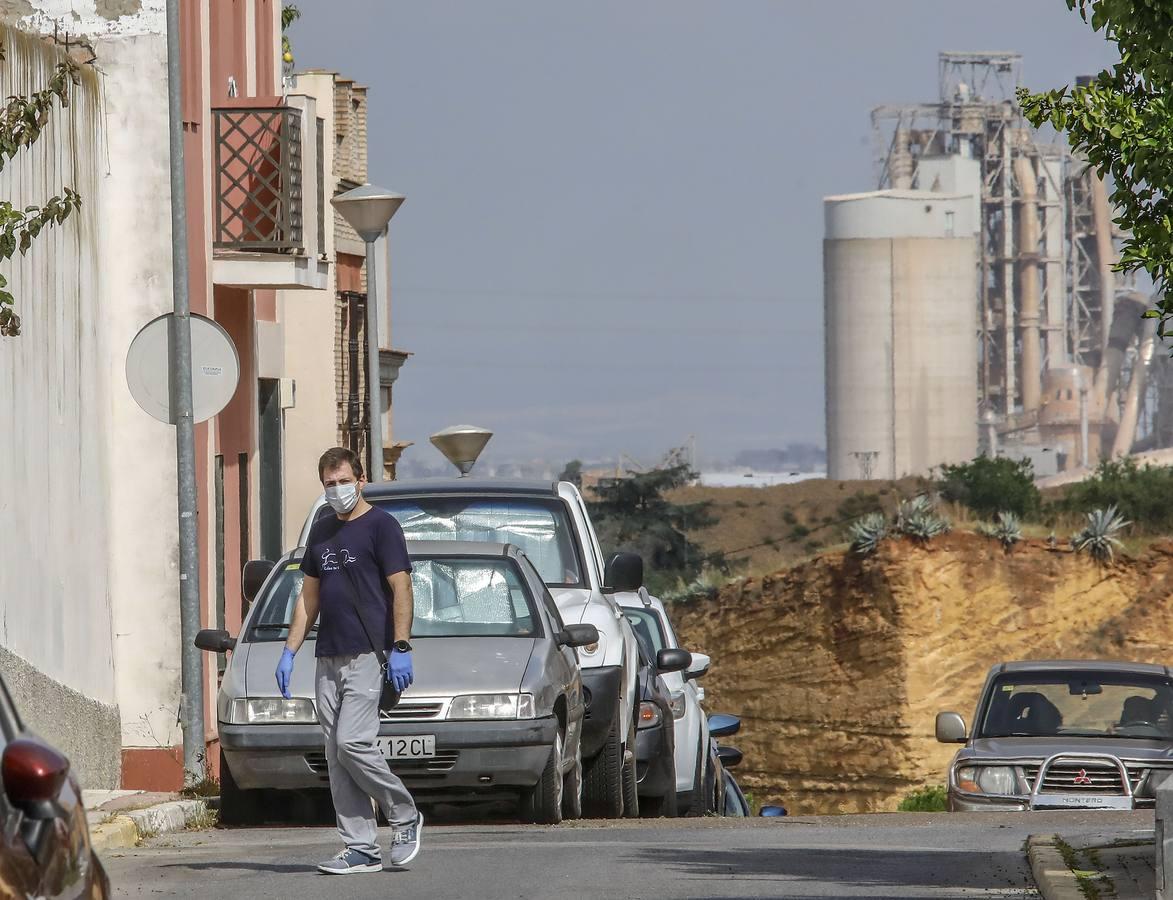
(900, 278)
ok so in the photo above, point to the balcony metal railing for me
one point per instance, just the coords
(258, 178)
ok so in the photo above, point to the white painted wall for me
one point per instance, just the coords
(55, 587)
(136, 287)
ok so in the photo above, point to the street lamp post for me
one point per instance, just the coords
(368, 209)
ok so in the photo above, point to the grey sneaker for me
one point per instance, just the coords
(406, 845)
(351, 862)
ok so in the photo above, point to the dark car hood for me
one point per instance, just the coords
(1043, 747)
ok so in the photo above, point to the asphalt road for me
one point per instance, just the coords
(889, 857)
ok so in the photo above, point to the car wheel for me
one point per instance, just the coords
(661, 807)
(602, 790)
(237, 806)
(630, 784)
(542, 804)
(572, 788)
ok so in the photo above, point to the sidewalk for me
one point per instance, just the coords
(121, 819)
(1119, 865)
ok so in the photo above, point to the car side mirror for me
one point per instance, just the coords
(951, 728)
(577, 635)
(722, 725)
(215, 641)
(253, 576)
(673, 659)
(729, 756)
(625, 572)
(699, 666)
(772, 811)
(34, 775)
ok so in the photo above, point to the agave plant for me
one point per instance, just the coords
(1006, 529)
(1099, 535)
(918, 519)
(866, 533)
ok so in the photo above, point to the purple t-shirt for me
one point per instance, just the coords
(371, 547)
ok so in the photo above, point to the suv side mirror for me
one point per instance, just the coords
(253, 576)
(673, 659)
(577, 635)
(721, 725)
(950, 728)
(625, 572)
(699, 666)
(729, 756)
(214, 641)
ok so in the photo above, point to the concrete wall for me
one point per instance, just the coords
(136, 288)
(55, 583)
(901, 346)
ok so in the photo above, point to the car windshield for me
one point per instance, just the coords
(540, 528)
(275, 612)
(1079, 704)
(647, 625)
(453, 597)
(457, 597)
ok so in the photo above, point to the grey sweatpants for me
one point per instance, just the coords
(348, 689)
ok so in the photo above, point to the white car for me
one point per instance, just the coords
(696, 781)
(548, 521)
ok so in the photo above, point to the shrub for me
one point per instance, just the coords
(867, 533)
(1099, 535)
(1005, 529)
(1143, 495)
(918, 519)
(926, 799)
(988, 486)
(858, 505)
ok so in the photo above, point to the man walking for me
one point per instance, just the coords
(358, 576)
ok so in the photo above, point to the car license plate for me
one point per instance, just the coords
(411, 746)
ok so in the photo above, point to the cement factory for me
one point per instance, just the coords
(970, 301)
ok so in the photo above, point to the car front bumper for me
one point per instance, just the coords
(600, 689)
(471, 757)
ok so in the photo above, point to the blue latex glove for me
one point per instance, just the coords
(399, 671)
(285, 672)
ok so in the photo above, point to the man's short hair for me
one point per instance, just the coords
(339, 456)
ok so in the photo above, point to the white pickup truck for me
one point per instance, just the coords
(549, 522)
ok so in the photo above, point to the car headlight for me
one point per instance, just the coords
(678, 707)
(272, 711)
(987, 780)
(649, 715)
(594, 648)
(492, 706)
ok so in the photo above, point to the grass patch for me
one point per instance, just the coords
(203, 821)
(205, 787)
(1092, 883)
(933, 798)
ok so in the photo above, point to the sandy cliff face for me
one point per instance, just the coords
(839, 665)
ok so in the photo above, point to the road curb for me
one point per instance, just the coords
(126, 829)
(1052, 876)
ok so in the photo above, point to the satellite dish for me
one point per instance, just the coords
(462, 444)
(215, 368)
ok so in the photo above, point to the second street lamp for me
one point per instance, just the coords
(368, 209)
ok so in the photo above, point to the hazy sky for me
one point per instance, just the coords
(612, 237)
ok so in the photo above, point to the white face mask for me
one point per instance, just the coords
(342, 497)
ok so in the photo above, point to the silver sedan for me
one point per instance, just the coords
(496, 707)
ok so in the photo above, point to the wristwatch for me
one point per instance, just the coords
(402, 646)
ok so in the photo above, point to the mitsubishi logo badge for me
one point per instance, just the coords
(1082, 777)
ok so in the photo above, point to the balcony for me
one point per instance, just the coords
(267, 180)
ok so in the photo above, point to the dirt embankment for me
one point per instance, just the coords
(838, 665)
